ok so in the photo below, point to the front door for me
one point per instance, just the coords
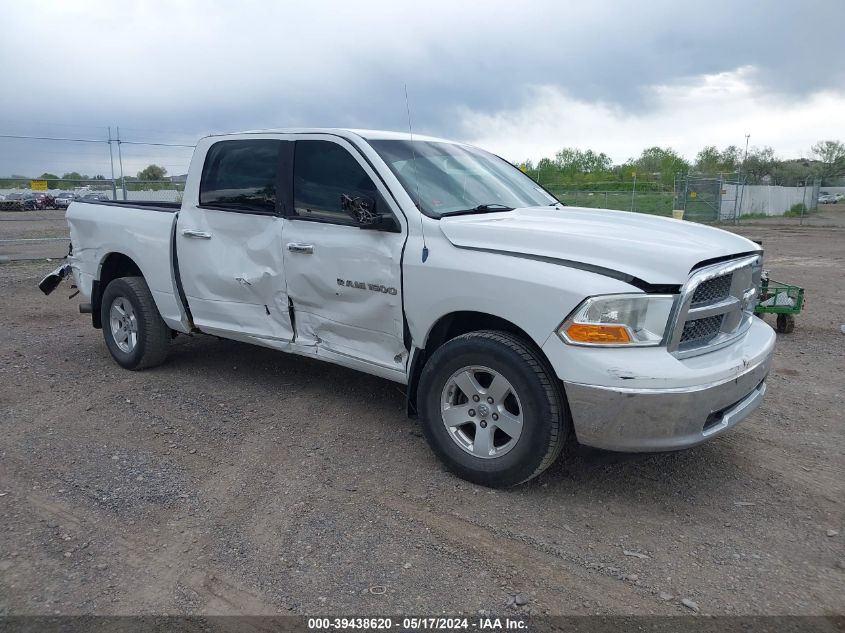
(344, 282)
(229, 245)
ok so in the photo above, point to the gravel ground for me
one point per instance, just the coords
(28, 225)
(238, 480)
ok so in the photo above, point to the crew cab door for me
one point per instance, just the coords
(229, 243)
(344, 282)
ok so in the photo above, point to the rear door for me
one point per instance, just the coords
(344, 282)
(229, 243)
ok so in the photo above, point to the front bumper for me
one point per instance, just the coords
(645, 418)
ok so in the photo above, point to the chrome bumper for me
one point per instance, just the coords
(638, 420)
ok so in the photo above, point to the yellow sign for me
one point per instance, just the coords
(38, 185)
(693, 194)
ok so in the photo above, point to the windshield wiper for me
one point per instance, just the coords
(481, 208)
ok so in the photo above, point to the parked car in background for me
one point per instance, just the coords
(64, 199)
(827, 199)
(44, 201)
(28, 202)
(13, 202)
(95, 197)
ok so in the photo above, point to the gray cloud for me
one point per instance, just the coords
(177, 71)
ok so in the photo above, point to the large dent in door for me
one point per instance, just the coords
(346, 294)
(250, 258)
(236, 279)
(370, 346)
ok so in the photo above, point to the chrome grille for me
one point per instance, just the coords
(701, 331)
(712, 290)
(716, 305)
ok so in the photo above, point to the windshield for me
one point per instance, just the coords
(448, 178)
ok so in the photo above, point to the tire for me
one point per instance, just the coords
(785, 323)
(497, 363)
(139, 338)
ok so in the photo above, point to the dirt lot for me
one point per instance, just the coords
(29, 226)
(239, 480)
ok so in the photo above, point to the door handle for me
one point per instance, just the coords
(295, 247)
(201, 235)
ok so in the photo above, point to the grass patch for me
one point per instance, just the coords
(655, 203)
(797, 210)
(755, 216)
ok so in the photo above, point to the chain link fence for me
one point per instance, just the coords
(703, 199)
(651, 202)
(730, 200)
(707, 200)
(22, 194)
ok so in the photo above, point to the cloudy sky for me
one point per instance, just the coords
(522, 79)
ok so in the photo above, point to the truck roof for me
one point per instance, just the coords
(347, 132)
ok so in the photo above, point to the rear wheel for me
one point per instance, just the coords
(785, 323)
(132, 327)
(491, 409)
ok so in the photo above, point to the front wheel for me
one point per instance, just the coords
(491, 409)
(132, 327)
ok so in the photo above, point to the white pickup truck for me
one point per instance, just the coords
(515, 322)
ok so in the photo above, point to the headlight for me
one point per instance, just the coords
(619, 320)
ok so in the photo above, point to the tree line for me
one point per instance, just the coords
(656, 168)
(72, 179)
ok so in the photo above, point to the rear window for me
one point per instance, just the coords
(241, 176)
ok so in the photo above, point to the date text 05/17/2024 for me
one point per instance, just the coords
(418, 624)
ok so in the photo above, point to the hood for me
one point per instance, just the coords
(653, 249)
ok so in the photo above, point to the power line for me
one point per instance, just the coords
(63, 157)
(53, 138)
(90, 140)
(156, 144)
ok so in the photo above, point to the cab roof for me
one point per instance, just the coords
(370, 135)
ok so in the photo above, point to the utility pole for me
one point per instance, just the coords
(120, 159)
(804, 202)
(634, 191)
(745, 157)
(741, 181)
(111, 159)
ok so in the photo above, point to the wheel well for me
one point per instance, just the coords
(447, 328)
(457, 323)
(114, 266)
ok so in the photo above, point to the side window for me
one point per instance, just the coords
(241, 176)
(323, 172)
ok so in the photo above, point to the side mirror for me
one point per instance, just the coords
(362, 209)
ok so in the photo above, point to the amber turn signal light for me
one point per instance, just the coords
(592, 333)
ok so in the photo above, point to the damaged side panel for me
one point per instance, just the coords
(142, 235)
(346, 292)
(233, 274)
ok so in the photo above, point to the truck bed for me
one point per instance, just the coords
(166, 207)
(140, 231)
